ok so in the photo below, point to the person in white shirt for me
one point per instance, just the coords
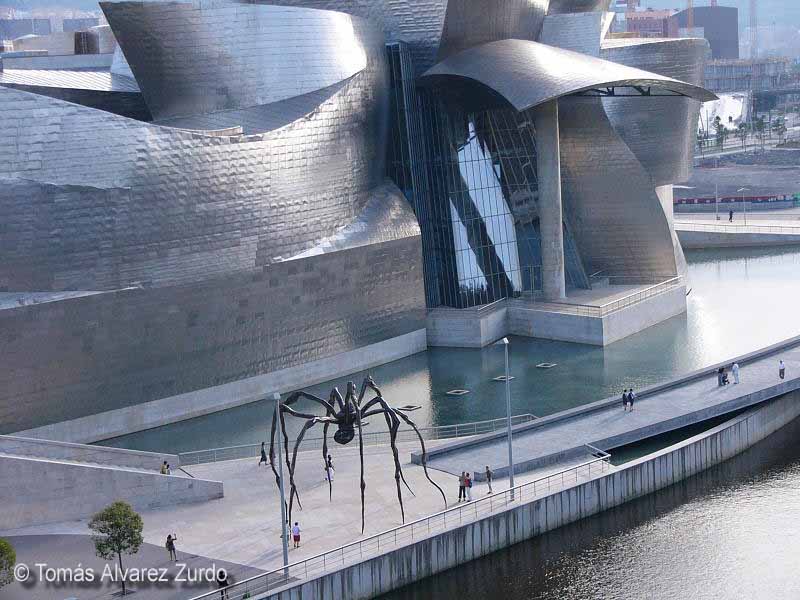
(631, 398)
(296, 535)
(781, 370)
(735, 369)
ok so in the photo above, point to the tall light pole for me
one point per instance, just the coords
(284, 527)
(504, 343)
(744, 206)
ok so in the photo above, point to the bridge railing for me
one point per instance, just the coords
(371, 438)
(397, 537)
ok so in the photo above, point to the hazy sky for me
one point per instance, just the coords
(779, 11)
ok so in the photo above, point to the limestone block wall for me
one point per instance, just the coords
(47, 491)
(117, 457)
(648, 474)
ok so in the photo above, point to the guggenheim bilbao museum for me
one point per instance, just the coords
(256, 196)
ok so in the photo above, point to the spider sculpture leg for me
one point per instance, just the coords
(300, 436)
(285, 408)
(325, 459)
(424, 454)
(394, 424)
(361, 458)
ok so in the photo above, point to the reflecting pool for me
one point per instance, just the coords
(740, 300)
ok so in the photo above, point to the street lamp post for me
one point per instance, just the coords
(504, 342)
(744, 206)
(284, 527)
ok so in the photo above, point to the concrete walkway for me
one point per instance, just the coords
(605, 424)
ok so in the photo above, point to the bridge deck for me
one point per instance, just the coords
(605, 425)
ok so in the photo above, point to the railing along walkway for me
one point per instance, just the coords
(371, 438)
(737, 227)
(409, 533)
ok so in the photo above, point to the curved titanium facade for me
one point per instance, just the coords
(289, 187)
(662, 131)
(620, 226)
(193, 257)
(527, 73)
(199, 57)
(577, 6)
(471, 23)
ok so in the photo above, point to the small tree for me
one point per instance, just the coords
(780, 128)
(117, 530)
(742, 132)
(8, 558)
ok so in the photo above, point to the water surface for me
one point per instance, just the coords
(741, 300)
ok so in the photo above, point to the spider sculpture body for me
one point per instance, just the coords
(347, 414)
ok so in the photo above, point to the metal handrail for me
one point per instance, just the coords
(737, 227)
(602, 310)
(371, 438)
(404, 534)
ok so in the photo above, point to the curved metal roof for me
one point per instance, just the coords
(558, 7)
(528, 74)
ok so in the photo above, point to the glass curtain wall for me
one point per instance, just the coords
(470, 174)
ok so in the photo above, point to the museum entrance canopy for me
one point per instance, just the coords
(528, 74)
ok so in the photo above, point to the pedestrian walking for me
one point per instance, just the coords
(468, 485)
(625, 400)
(169, 470)
(489, 478)
(170, 546)
(164, 467)
(263, 455)
(296, 535)
(781, 369)
(329, 473)
(462, 494)
(631, 398)
(735, 371)
(730, 216)
(222, 584)
(721, 376)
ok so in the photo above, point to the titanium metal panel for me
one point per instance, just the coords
(471, 23)
(418, 23)
(528, 73)
(577, 6)
(618, 221)
(198, 57)
(661, 132)
(199, 205)
(102, 81)
(579, 32)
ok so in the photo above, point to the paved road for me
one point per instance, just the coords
(651, 411)
(70, 551)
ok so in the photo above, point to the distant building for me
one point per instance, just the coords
(14, 28)
(720, 26)
(745, 75)
(652, 23)
(80, 24)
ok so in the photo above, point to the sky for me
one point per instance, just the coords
(784, 12)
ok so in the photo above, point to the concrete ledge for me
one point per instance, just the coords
(47, 491)
(478, 327)
(101, 455)
(787, 386)
(428, 556)
(692, 239)
(155, 413)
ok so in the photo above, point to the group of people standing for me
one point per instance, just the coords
(465, 481)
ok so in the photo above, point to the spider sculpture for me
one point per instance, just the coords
(347, 415)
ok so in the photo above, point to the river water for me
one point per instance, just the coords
(730, 533)
(740, 300)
